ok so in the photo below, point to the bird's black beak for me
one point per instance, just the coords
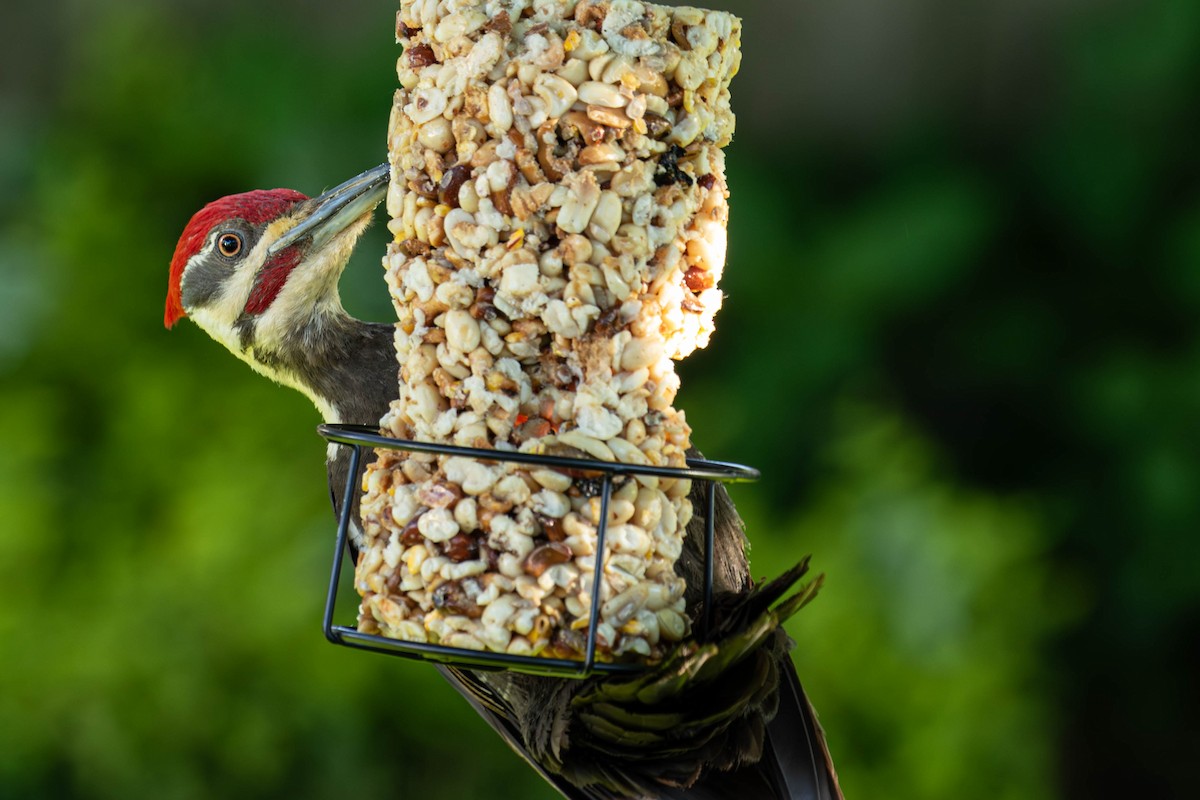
(334, 211)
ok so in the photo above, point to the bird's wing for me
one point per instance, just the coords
(796, 749)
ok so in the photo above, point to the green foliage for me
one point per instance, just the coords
(960, 340)
(939, 603)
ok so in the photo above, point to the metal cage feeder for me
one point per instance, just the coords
(360, 437)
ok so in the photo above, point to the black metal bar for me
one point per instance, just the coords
(703, 469)
(710, 531)
(477, 659)
(597, 574)
(339, 550)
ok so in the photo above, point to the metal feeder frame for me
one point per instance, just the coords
(363, 436)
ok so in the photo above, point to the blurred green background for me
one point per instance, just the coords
(960, 340)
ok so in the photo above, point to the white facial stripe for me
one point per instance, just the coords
(311, 290)
(218, 316)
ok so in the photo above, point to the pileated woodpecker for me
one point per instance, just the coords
(721, 718)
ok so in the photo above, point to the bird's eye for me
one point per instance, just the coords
(230, 244)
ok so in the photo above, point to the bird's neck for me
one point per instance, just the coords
(347, 367)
